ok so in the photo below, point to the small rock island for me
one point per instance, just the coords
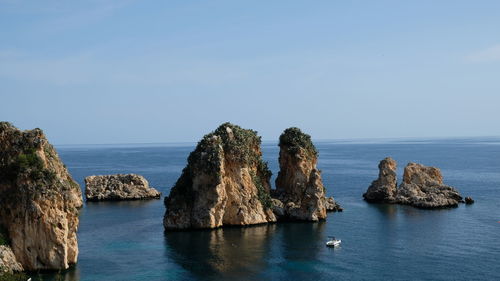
(119, 187)
(226, 182)
(39, 204)
(422, 187)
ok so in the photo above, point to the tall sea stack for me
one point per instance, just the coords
(225, 182)
(39, 201)
(299, 185)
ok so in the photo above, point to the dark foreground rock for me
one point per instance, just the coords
(422, 187)
(469, 200)
(225, 182)
(119, 187)
(39, 201)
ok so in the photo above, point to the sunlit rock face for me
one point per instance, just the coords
(119, 187)
(39, 200)
(422, 187)
(384, 188)
(299, 186)
(225, 182)
(8, 261)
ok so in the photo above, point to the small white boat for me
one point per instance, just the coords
(333, 242)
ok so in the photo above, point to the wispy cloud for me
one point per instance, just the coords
(491, 54)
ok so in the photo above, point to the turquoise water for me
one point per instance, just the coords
(126, 241)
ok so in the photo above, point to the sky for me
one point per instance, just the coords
(98, 72)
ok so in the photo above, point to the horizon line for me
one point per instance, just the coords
(275, 141)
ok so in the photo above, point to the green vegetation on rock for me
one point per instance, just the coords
(294, 140)
(236, 145)
(263, 193)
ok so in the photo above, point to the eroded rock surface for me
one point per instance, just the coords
(332, 205)
(384, 188)
(225, 182)
(8, 261)
(423, 187)
(39, 200)
(119, 187)
(299, 185)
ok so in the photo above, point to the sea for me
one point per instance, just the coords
(126, 240)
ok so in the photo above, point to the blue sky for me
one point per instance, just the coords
(169, 71)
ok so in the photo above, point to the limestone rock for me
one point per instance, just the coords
(423, 187)
(332, 206)
(119, 187)
(299, 185)
(39, 200)
(384, 188)
(8, 261)
(224, 183)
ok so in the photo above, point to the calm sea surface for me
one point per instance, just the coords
(126, 241)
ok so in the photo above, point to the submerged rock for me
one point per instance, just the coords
(469, 200)
(384, 188)
(39, 200)
(423, 187)
(119, 187)
(299, 185)
(225, 182)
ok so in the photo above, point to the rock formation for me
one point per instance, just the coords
(384, 188)
(422, 187)
(118, 187)
(469, 200)
(299, 186)
(225, 182)
(39, 200)
(8, 261)
(332, 205)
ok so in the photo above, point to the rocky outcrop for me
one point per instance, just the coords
(119, 187)
(39, 200)
(422, 187)
(8, 261)
(299, 186)
(332, 205)
(384, 188)
(224, 183)
(469, 200)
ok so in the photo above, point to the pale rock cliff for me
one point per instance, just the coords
(39, 201)
(225, 182)
(299, 186)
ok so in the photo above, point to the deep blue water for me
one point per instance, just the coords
(126, 241)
